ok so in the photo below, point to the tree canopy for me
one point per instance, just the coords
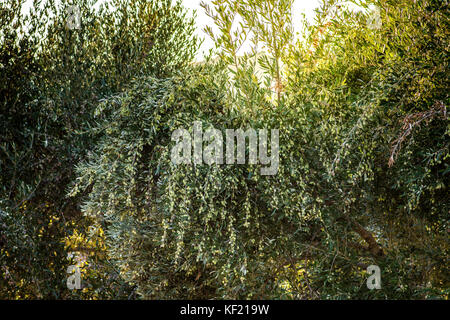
(85, 158)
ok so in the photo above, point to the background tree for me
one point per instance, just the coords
(52, 77)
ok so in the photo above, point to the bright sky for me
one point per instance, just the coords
(300, 6)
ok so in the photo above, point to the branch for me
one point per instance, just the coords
(413, 120)
(374, 248)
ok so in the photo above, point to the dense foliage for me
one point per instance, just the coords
(52, 77)
(362, 178)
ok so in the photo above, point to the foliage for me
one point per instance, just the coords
(52, 77)
(362, 179)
